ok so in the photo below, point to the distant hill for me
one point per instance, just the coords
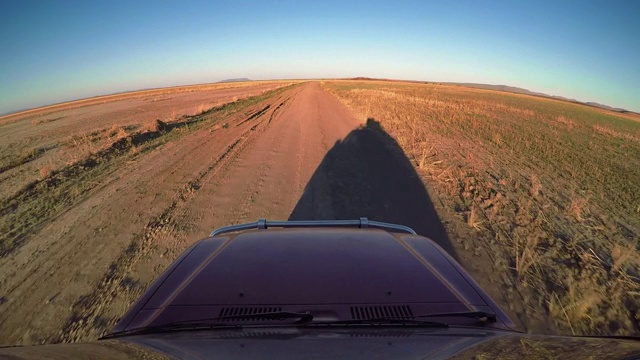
(234, 80)
(507, 88)
(518, 90)
(591, 103)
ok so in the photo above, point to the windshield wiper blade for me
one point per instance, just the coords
(412, 320)
(383, 321)
(478, 315)
(212, 323)
(177, 326)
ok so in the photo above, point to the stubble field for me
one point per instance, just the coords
(545, 193)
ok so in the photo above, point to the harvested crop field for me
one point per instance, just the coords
(544, 193)
(538, 199)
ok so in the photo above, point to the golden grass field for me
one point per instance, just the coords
(546, 194)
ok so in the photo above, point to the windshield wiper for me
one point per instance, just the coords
(303, 318)
(382, 322)
(212, 323)
(411, 320)
(478, 315)
(169, 327)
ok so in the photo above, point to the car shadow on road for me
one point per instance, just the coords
(368, 175)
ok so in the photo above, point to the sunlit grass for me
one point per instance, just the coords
(551, 187)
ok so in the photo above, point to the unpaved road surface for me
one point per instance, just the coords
(296, 154)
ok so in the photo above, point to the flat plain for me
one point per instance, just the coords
(539, 199)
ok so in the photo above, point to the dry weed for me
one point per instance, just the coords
(473, 218)
(577, 208)
(566, 121)
(81, 147)
(203, 108)
(535, 186)
(526, 254)
(623, 255)
(45, 171)
(617, 134)
(155, 126)
(577, 304)
(497, 139)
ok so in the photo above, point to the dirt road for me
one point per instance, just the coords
(297, 154)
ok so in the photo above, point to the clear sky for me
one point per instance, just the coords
(53, 51)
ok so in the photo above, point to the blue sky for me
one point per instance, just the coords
(53, 51)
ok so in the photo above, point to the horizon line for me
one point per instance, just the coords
(591, 104)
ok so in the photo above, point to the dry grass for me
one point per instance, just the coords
(551, 189)
(539, 347)
(203, 108)
(78, 147)
(81, 146)
(45, 171)
(117, 132)
(473, 218)
(535, 186)
(577, 207)
(566, 121)
(155, 125)
(603, 129)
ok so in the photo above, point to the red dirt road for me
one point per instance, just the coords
(76, 275)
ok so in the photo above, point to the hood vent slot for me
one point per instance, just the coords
(236, 311)
(374, 312)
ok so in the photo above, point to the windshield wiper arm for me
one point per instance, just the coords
(218, 322)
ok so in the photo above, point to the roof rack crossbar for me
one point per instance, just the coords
(361, 223)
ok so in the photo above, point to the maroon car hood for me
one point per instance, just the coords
(327, 271)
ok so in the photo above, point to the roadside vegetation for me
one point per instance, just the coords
(548, 190)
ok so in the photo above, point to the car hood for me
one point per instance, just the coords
(333, 273)
(309, 343)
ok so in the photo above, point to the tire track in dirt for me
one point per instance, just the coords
(276, 168)
(255, 184)
(188, 216)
